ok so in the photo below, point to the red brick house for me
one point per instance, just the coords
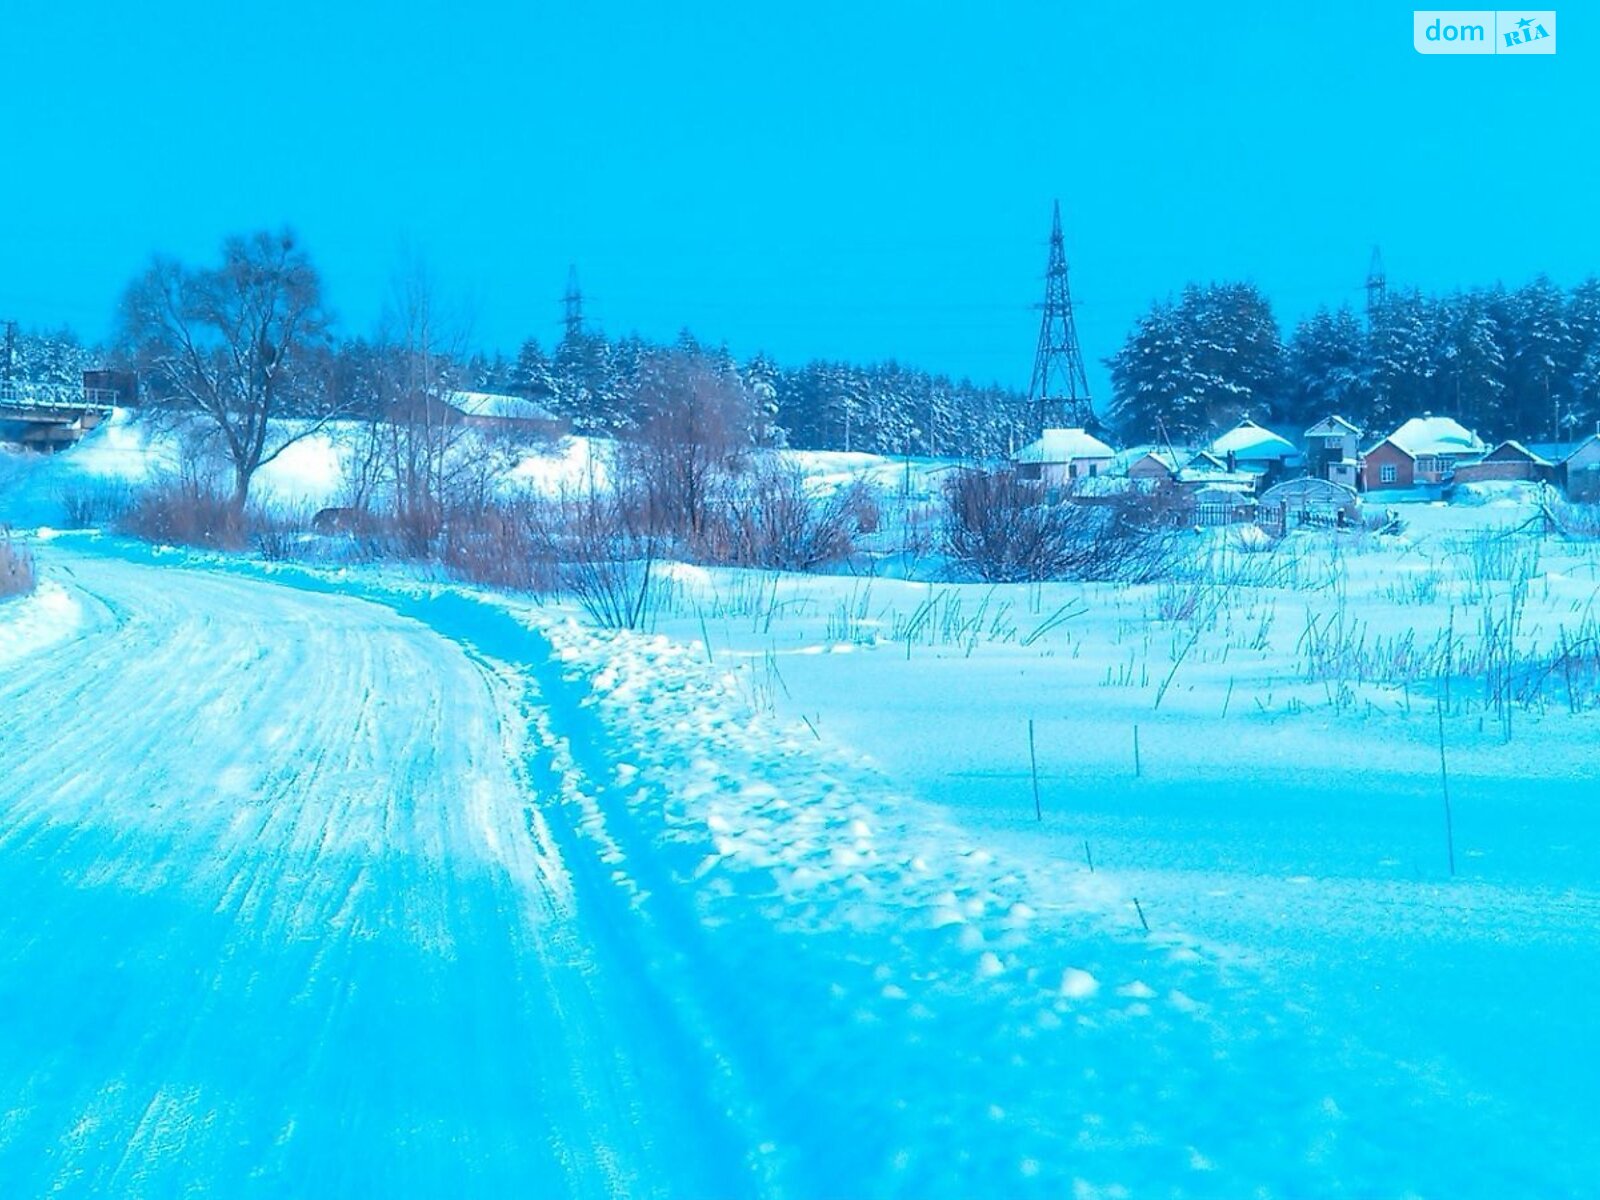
(1423, 452)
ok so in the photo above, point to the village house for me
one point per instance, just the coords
(1059, 457)
(1333, 451)
(1421, 453)
(1254, 449)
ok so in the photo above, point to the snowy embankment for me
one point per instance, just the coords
(315, 472)
(31, 623)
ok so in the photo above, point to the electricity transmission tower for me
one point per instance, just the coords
(1058, 395)
(573, 300)
(1377, 288)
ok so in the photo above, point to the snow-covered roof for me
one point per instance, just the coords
(1247, 440)
(1172, 458)
(1517, 447)
(500, 407)
(1064, 446)
(1436, 436)
(1332, 426)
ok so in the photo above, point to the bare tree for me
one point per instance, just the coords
(242, 347)
(695, 427)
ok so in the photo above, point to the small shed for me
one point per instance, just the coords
(1509, 461)
(1157, 466)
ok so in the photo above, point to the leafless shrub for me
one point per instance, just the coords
(91, 505)
(599, 551)
(502, 545)
(281, 533)
(775, 522)
(187, 511)
(1577, 520)
(17, 576)
(1001, 529)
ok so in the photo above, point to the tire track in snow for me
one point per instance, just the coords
(287, 923)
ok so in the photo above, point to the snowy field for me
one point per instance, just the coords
(346, 882)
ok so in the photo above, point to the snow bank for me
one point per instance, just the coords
(31, 623)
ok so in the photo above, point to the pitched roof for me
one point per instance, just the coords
(1436, 436)
(1517, 447)
(1247, 440)
(1168, 457)
(1063, 446)
(1335, 425)
(495, 405)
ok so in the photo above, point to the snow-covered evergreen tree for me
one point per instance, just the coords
(1327, 370)
(1540, 362)
(1199, 365)
(1470, 379)
(1402, 349)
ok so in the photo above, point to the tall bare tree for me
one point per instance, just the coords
(239, 348)
(693, 430)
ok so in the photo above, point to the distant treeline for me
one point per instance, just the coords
(1521, 363)
(1510, 363)
(884, 408)
(598, 384)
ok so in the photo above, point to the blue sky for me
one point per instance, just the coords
(843, 180)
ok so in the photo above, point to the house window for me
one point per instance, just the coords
(1388, 473)
(1430, 466)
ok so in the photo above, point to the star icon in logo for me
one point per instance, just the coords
(1524, 23)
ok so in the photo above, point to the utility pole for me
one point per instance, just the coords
(1058, 394)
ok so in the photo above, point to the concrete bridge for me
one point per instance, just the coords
(50, 416)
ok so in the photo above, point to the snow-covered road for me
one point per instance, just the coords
(282, 916)
(338, 886)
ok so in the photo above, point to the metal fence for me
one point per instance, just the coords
(27, 394)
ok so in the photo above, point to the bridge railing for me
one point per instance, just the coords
(20, 394)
